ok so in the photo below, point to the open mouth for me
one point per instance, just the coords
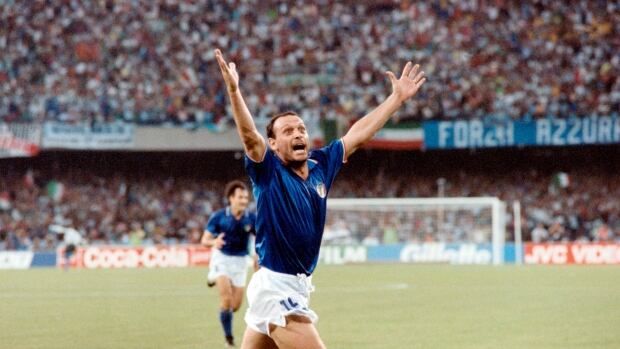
(297, 147)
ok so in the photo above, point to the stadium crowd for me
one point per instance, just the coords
(151, 62)
(155, 209)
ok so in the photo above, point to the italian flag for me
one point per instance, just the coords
(403, 138)
(55, 190)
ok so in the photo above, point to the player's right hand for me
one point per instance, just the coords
(229, 72)
(218, 242)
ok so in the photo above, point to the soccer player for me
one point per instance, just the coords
(71, 240)
(291, 185)
(227, 233)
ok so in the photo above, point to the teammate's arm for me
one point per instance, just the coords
(402, 89)
(253, 143)
(255, 262)
(212, 241)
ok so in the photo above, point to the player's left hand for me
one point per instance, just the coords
(409, 82)
(255, 263)
(219, 242)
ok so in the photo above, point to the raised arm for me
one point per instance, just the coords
(253, 143)
(402, 89)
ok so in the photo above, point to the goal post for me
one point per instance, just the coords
(468, 220)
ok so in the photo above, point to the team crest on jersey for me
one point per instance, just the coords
(247, 228)
(321, 190)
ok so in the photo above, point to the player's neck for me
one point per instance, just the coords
(236, 212)
(300, 168)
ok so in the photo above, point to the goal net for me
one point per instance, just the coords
(433, 229)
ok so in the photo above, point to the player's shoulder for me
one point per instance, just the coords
(219, 213)
(321, 155)
(267, 158)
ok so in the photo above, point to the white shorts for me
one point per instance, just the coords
(272, 296)
(233, 267)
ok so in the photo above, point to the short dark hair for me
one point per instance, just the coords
(270, 133)
(232, 186)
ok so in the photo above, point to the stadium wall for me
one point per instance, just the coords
(26, 140)
(105, 257)
(129, 137)
(572, 253)
(96, 257)
(460, 254)
(452, 253)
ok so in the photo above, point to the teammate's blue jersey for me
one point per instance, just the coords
(291, 211)
(237, 232)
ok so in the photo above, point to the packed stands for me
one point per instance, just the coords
(151, 62)
(159, 198)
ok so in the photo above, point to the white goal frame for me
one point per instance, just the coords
(498, 212)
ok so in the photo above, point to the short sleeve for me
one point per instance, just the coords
(213, 225)
(260, 172)
(330, 158)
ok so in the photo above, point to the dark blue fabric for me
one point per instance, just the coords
(290, 210)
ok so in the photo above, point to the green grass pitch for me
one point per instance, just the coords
(360, 306)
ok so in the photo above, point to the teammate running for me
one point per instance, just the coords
(228, 232)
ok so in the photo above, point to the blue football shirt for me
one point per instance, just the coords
(237, 231)
(291, 211)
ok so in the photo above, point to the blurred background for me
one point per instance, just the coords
(116, 138)
(114, 120)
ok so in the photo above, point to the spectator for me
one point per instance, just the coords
(154, 209)
(540, 234)
(150, 62)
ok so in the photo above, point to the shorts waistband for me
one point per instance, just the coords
(302, 279)
(284, 275)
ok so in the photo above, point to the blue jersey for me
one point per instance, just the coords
(290, 210)
(237, 230)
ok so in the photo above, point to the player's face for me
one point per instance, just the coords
(291, 139)
(239, 200)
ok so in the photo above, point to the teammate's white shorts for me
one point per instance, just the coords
(233, 267)
(272, 296)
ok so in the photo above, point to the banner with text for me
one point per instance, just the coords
(95, 257)
(572, 253)
(469, 134)
(88, 136)
(19, 140)
(438, 252)
(16, 259)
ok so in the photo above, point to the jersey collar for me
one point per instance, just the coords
(311, 164)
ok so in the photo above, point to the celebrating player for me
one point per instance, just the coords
(291, 185)
(228, 232)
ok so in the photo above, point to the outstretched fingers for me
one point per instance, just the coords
(406, 70)
(419, 76)
(412, 74)
(391, 76)
(220, 60)
(420, 83)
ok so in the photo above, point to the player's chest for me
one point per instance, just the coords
(240, 226)
(312, 188)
